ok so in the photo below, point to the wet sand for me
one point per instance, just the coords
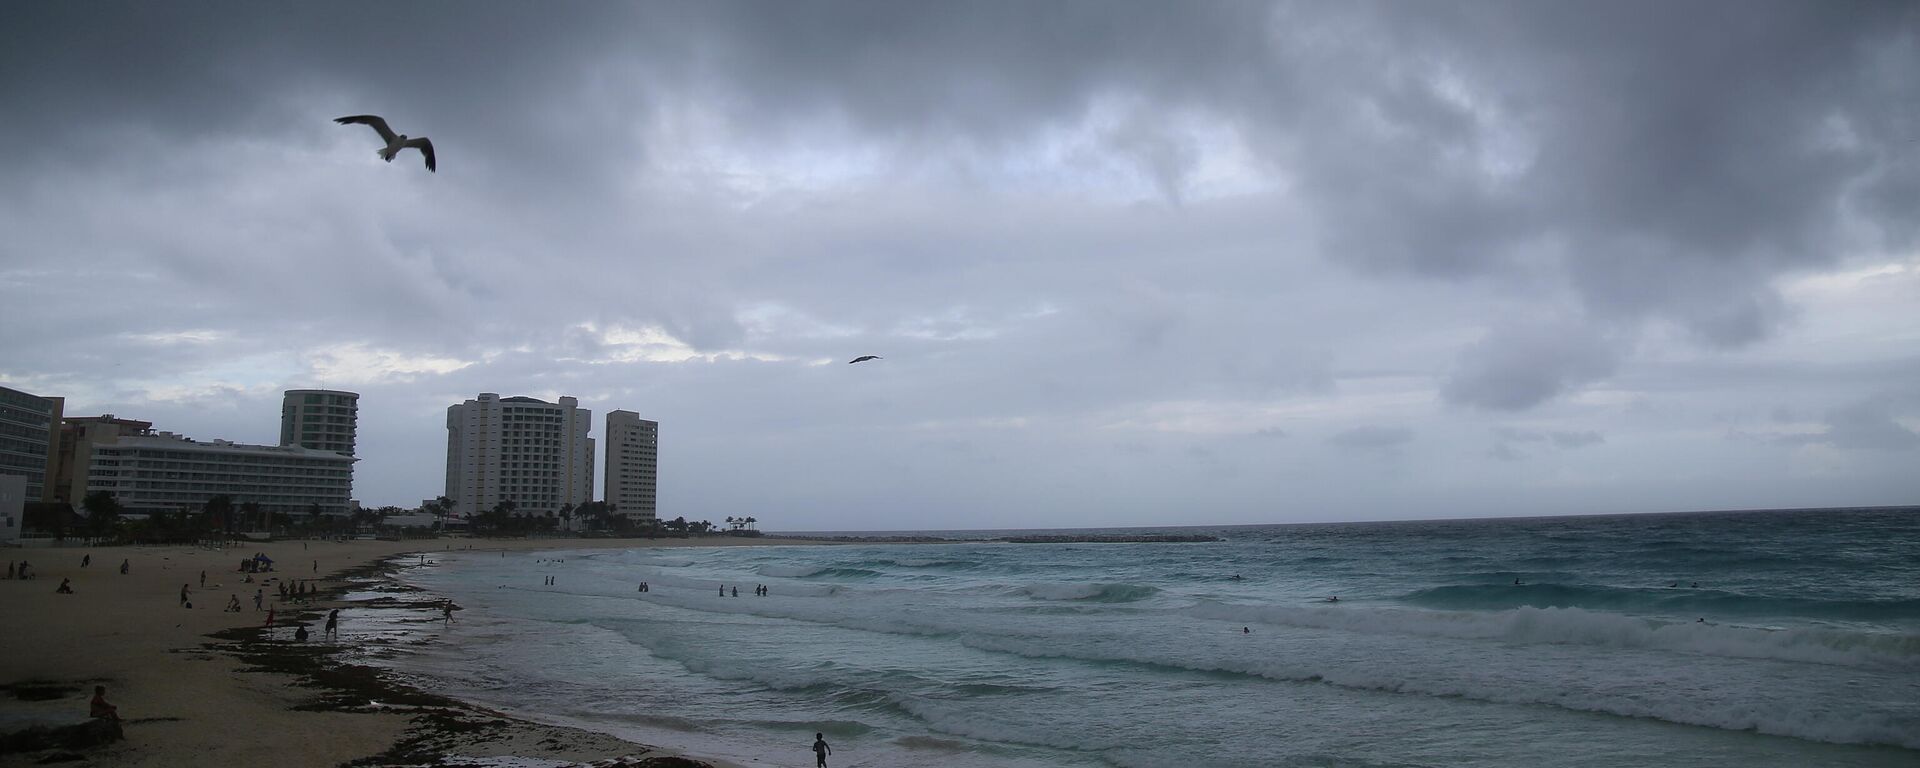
(202, 686)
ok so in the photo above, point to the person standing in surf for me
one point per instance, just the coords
(821, 750)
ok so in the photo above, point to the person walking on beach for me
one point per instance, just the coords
(86, 559)
(203, 579)
(258, 596)
(446, 611)
(333, 624)
(183, 597)
(125, 565)
(821, 750)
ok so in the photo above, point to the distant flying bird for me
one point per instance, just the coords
(863, 358)
(395, 141)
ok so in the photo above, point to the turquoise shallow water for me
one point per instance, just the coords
(1764, 638)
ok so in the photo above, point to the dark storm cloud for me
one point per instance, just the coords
(1868, 425)
(1515, 367)
(1371, 438)
(235, 70)
(1558, 439)
(1508, 441)
(1670, 160)
(1673, 158)
(1665, 162)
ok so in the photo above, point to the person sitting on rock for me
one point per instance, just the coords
(99, 708)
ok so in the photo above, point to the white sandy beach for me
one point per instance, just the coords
(187, 703)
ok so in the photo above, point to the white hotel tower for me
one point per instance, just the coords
(532, 452)
(632, 466)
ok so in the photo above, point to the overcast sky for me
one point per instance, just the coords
(1127, 263)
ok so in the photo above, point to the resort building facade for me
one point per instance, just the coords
(165, 472)
(632, 466)
(321, 419)
(29, 428)
(531, 452)
(73, 455)
(13, 506)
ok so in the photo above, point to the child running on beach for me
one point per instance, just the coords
(821, 750)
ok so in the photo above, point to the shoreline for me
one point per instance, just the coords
(203, 686)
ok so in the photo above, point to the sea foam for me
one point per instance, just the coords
(1583, 627)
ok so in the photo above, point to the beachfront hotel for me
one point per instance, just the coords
(29, 428)
(632, 466)
(73, 454)
(165, 472)
(321, 419)
(531, 452)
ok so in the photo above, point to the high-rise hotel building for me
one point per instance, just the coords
(321, 419)
(633, 465)
(531, 452)
(29, 430)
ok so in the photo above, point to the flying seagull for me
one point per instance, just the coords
(863, 358)
(395, 141)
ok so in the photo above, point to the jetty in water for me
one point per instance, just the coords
(1038, 538)
(1109, 538)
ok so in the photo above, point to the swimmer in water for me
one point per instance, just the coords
(1334, 599)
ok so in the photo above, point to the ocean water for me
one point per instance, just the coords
(1752, 639)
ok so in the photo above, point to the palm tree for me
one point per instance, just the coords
(250, 511)
(103, 510)
(219, 511)
(750, 522)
